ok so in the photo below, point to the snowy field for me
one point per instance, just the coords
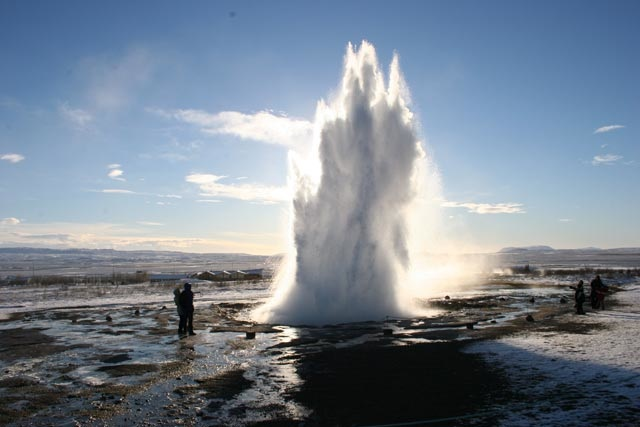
(574, 379)
(105, 354)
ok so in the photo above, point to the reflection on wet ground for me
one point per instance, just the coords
(107, 361)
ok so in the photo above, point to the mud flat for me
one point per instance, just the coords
(464, 365)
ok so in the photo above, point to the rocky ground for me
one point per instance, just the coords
(76, 366)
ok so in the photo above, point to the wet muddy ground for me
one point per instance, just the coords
(126, 365)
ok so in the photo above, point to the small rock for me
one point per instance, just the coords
(530, 318)
(532, 300)
(137, 312)
(109, 318)
(447, 297)
(563, 300)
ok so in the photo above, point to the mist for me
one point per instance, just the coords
(360, 209)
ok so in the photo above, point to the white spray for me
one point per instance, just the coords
(352, 197)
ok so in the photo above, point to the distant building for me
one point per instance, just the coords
(254, 274)
(225, 275)
(206, 275)
(210, 275)
(167, 277)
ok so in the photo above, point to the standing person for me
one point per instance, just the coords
(600, 293)
(182, 328)
(596, 283)
(580, 298)
(186, 302)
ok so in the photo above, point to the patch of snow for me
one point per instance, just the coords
(574, 379)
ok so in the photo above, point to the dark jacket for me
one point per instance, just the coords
(186, 300)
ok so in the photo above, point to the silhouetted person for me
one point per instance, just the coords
(183, 319)
(580, 297)
(601, 291)
(596, 284)
(186, 302)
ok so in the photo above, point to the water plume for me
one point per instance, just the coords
(350, 246)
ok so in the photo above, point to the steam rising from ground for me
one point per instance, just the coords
(359, 205)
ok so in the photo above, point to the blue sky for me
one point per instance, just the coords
(167, 125)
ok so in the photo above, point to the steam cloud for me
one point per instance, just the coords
(351, 200)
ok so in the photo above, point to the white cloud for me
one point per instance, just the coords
(9, 221)
(150, 223)
(116, 174)
(12, 157)
(117, 191)
(211, 187)
(605, 159)
(208, 201)
(487, 208)
(170, 196)
(565, 220)
(263, 126)
(608, 128)
(203, 178)
(78, 117)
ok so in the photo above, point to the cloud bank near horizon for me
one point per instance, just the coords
(144, 236)
(487, 208)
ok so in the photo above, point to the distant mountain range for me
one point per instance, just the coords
(30, 261)
(511, 249)
(26, 261)
(543, 248)
(112, 253)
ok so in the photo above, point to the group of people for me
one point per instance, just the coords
(184, 304)
(598, 291)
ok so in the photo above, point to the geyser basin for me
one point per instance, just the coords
(349, 251)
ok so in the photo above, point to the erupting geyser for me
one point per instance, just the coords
(352, 196)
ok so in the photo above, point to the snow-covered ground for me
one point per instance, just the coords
(574, 379)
